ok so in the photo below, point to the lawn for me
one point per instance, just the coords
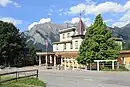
(24, 82)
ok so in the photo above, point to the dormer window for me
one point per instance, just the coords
(68, 35)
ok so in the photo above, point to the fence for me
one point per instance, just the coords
(17, 73)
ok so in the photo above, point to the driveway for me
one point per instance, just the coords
(55, 78)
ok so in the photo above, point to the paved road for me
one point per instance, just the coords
(57, 78)
(85, 79)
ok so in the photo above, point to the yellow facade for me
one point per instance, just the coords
(125, 57)
(127, 60)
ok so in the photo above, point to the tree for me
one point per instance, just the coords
(11, 43)
(98, 43)
(32, 55)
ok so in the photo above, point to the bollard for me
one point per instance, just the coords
(16, 75)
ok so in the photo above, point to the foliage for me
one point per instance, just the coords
(126, 47)
(31, 57)
(121, 68)
(98, 43)
(24, 82)
(105, 68)
(11, 43)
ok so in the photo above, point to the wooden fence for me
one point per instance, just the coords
(17, 73)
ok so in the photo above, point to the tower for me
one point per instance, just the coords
(80, 27)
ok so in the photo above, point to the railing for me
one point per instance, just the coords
(17, 73)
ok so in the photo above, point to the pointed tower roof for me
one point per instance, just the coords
(80, 27)
(80, 30)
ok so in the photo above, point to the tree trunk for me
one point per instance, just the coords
(90, 66)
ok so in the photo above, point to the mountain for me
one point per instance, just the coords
(123, 32)
(50, 31)
(39, 33)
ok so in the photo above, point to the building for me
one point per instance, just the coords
(124, 57)
(66, 50)
(69, 44)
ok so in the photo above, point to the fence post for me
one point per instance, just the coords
(16, 75)
(37, 74)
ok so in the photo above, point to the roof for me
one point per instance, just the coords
(69, 41)
(125, 51)
(80, 27)
(44, 53)
(82, 36)
(118, 39)
(67, 30)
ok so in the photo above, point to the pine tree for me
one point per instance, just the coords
(98, 43)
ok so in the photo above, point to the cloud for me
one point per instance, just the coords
(92, 8)
(49, 14)
(50, 10)
(4, 3)
(120, 23)
(108, 20)
(60, 14)
(124, 20)
(60, 10)
(11, 20)
(17, 5)
(77, 9)
(87, 21)
(127, 5)
(42, 21)
(126, 16)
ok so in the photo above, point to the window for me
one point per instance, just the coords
(68, 35)
(76, 44)
(57, 47)
(71, 45)
(63, 36)
(64, 46)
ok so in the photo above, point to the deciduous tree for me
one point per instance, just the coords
(11, 43)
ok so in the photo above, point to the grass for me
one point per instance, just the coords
(23, 82)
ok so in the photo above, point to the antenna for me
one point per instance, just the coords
(81, 12)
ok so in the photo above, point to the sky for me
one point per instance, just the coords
(27, 13)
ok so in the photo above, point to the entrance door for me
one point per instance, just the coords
(58, 60)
